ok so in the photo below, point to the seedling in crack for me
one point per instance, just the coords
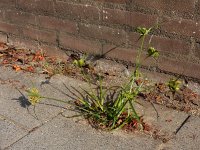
(80, 62)
(174, 85)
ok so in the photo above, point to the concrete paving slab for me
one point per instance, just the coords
(9, 133)
(188, 137)
(64, 134)
(13, 104)
(164, 119)
(56, 132)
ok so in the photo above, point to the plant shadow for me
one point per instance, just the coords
(23, 100)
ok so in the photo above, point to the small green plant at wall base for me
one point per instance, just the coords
(174, 85)
(80, 62)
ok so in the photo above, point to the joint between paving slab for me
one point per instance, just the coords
(16, 141)
(24, 128)
(14, 122)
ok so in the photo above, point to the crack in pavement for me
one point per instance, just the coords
(14, 122)
(28, 131)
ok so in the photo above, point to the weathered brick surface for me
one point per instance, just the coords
(182, 27)
(57, 24)
(127, 54)
(2, 15)
(77, 11)
(53, 51)
(175, 6)
(74, 43)
(9, 28)
(23, 43)
(36, 6)
(115, 1)
(3, 38)
(170, 45)
(116, 36)
(96, 26)
(162, 44)
(135, 19)
(40, 35)
(197, 50)
(7, 3)
(180, 67)
(20, 18)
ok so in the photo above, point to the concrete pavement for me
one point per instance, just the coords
(22, 128)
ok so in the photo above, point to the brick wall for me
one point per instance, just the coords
(107, 27)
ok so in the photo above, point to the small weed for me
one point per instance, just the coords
(80, 62)
(174, 85)
(35, 97)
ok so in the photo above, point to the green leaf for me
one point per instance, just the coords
(152, 52)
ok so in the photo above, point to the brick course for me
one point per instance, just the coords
(96, 26)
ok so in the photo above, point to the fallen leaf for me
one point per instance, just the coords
(30, 69)
(16, 67)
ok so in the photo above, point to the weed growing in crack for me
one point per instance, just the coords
(113, 107)
(80, 62)
(174, 85)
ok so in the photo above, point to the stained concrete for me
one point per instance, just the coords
(23, 127)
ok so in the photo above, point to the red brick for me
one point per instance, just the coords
(54, 51)
(117, 36)
(58, 24)
(198, 7)
(40, 35)
(177, 6)
(77, 11)
(7, 3)
(114, 1)
(1, 15)
(73, 43)
(197, 50)
(171, 45)
(21, 18)
(9, 28)
(175, 66)
(161, 43)
(3, 38)
(182, 27)
(20, 42)
(126, 54)
(135, 19)
(36, 6)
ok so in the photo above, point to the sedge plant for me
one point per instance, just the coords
(120, 109)
(112, 107)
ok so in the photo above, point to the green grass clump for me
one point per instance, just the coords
(111, 108)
